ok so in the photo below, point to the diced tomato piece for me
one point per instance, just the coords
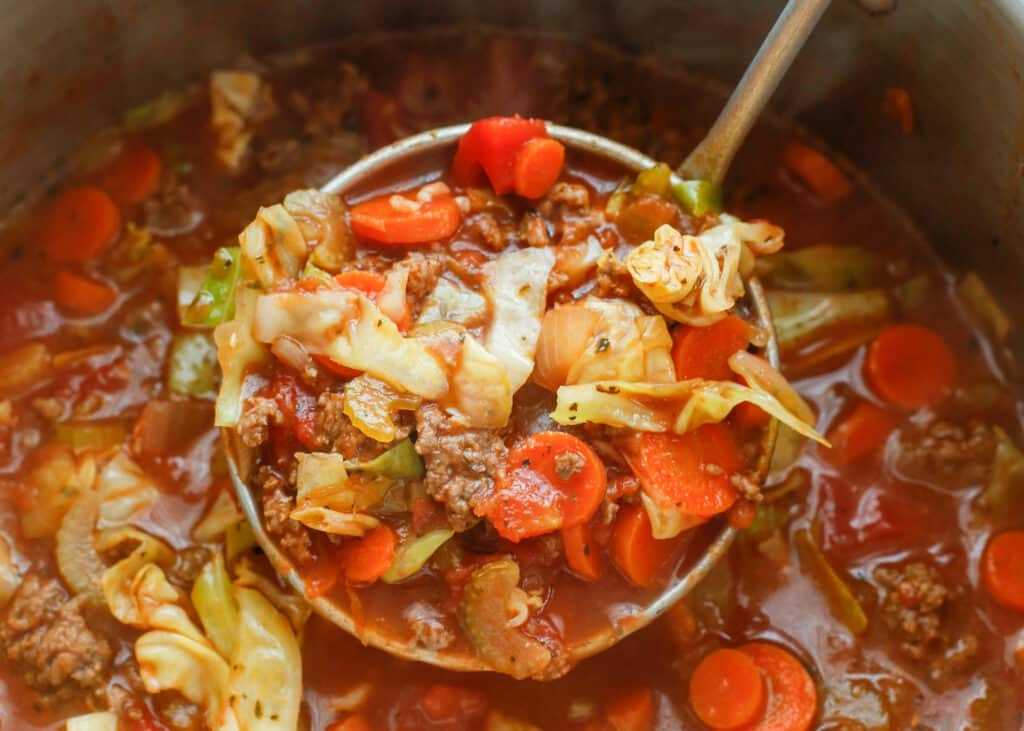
(298, 406)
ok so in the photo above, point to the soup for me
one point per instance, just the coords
(880, 578)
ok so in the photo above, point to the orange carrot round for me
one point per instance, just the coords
(860, 433)
(910, 366)
(553, 480)
(704, 352)
(632, 711)
(1002, 569)
(727, 690)
(133, 176)
(817, 172)
(581, 552)
(389, 220)
(364, 560)
(368, 283)
(538, 165)
(691, 471)
(792, 696)
(79, 225)
(637, 554)
(80, 295)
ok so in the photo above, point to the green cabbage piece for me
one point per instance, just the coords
(214, 600)
(411, 556)
(666, 407)
(824, 268)
(401, 462)
(273, 247)
(238, 353)
(802, 316)
(192, 365)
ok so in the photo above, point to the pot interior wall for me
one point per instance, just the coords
(70, 67)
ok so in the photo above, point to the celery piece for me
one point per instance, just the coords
(825, 268)
(698, 197)
(214, 303)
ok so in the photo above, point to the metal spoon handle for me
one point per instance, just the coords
(710, 160)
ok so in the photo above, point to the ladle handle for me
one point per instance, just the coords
(710, 160)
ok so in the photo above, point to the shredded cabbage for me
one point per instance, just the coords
(401, 462)
(334, 522)
(238, 352)
(452, 301)
(215, 603)
(667, 521)
(98, 721)
(323, 481)
(351, 330)
(480, 389)
(515, 284)
(294, 607)
(626, 346)
(321, 219)
(125, 492)
(696, 279)
(801, 316)
(237, 98)
(273, 248)
(221, 515)
(663, 407)
(412, 556)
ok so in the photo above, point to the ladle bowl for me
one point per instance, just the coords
(687, 574)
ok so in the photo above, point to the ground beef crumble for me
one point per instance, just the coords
(916, 609)
(45, 634)
(293, 537)
(955, 454)
(461, 463)
(259, 415)
(424, 271)
(568, 464)
(335, 432)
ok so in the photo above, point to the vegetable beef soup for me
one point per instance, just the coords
(490, 405)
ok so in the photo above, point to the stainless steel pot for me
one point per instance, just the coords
(69, 67)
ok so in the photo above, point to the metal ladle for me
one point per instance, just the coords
(710, 160)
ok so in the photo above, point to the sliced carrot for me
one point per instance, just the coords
(356, 722)
(133, 176)
(553, 480)
(792, 697)
(386, 220)
(637, 554)
(690, 471)
(79, 225)
(364, 560)
(369, 283)
(704, 352)
(910, 366)
(860, 433)
(817, 172)
(538, 164)
(898, 107)
(581, 552)
(81, 295)
(1002, 569)
(727, 690)
(632, 711)
(491, 145)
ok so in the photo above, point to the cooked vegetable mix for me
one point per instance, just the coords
(490, 408)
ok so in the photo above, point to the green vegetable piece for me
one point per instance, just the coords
(401, 462)
(81, 436)
(1006, 485)
(840, 597)
(216, 606)
(192, 366)
(825, 268)
(238, 539)
(411, 556)
(800, 316)
(698, 197)
(156, 111)
(983, 306)
(190, 279)
(312, 271)
(913, 294)
(214, 303)
(656, 180)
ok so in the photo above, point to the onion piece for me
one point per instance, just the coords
(78, 561)
(761, 374)
(564, 334)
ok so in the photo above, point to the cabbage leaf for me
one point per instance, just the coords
(515, 284)
(627, 345)
(321, 220)
(273, 248)
(666, 407)
(238, 352)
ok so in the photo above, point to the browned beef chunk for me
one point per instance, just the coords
(278, 503)
(44, 634)
(461, 463)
